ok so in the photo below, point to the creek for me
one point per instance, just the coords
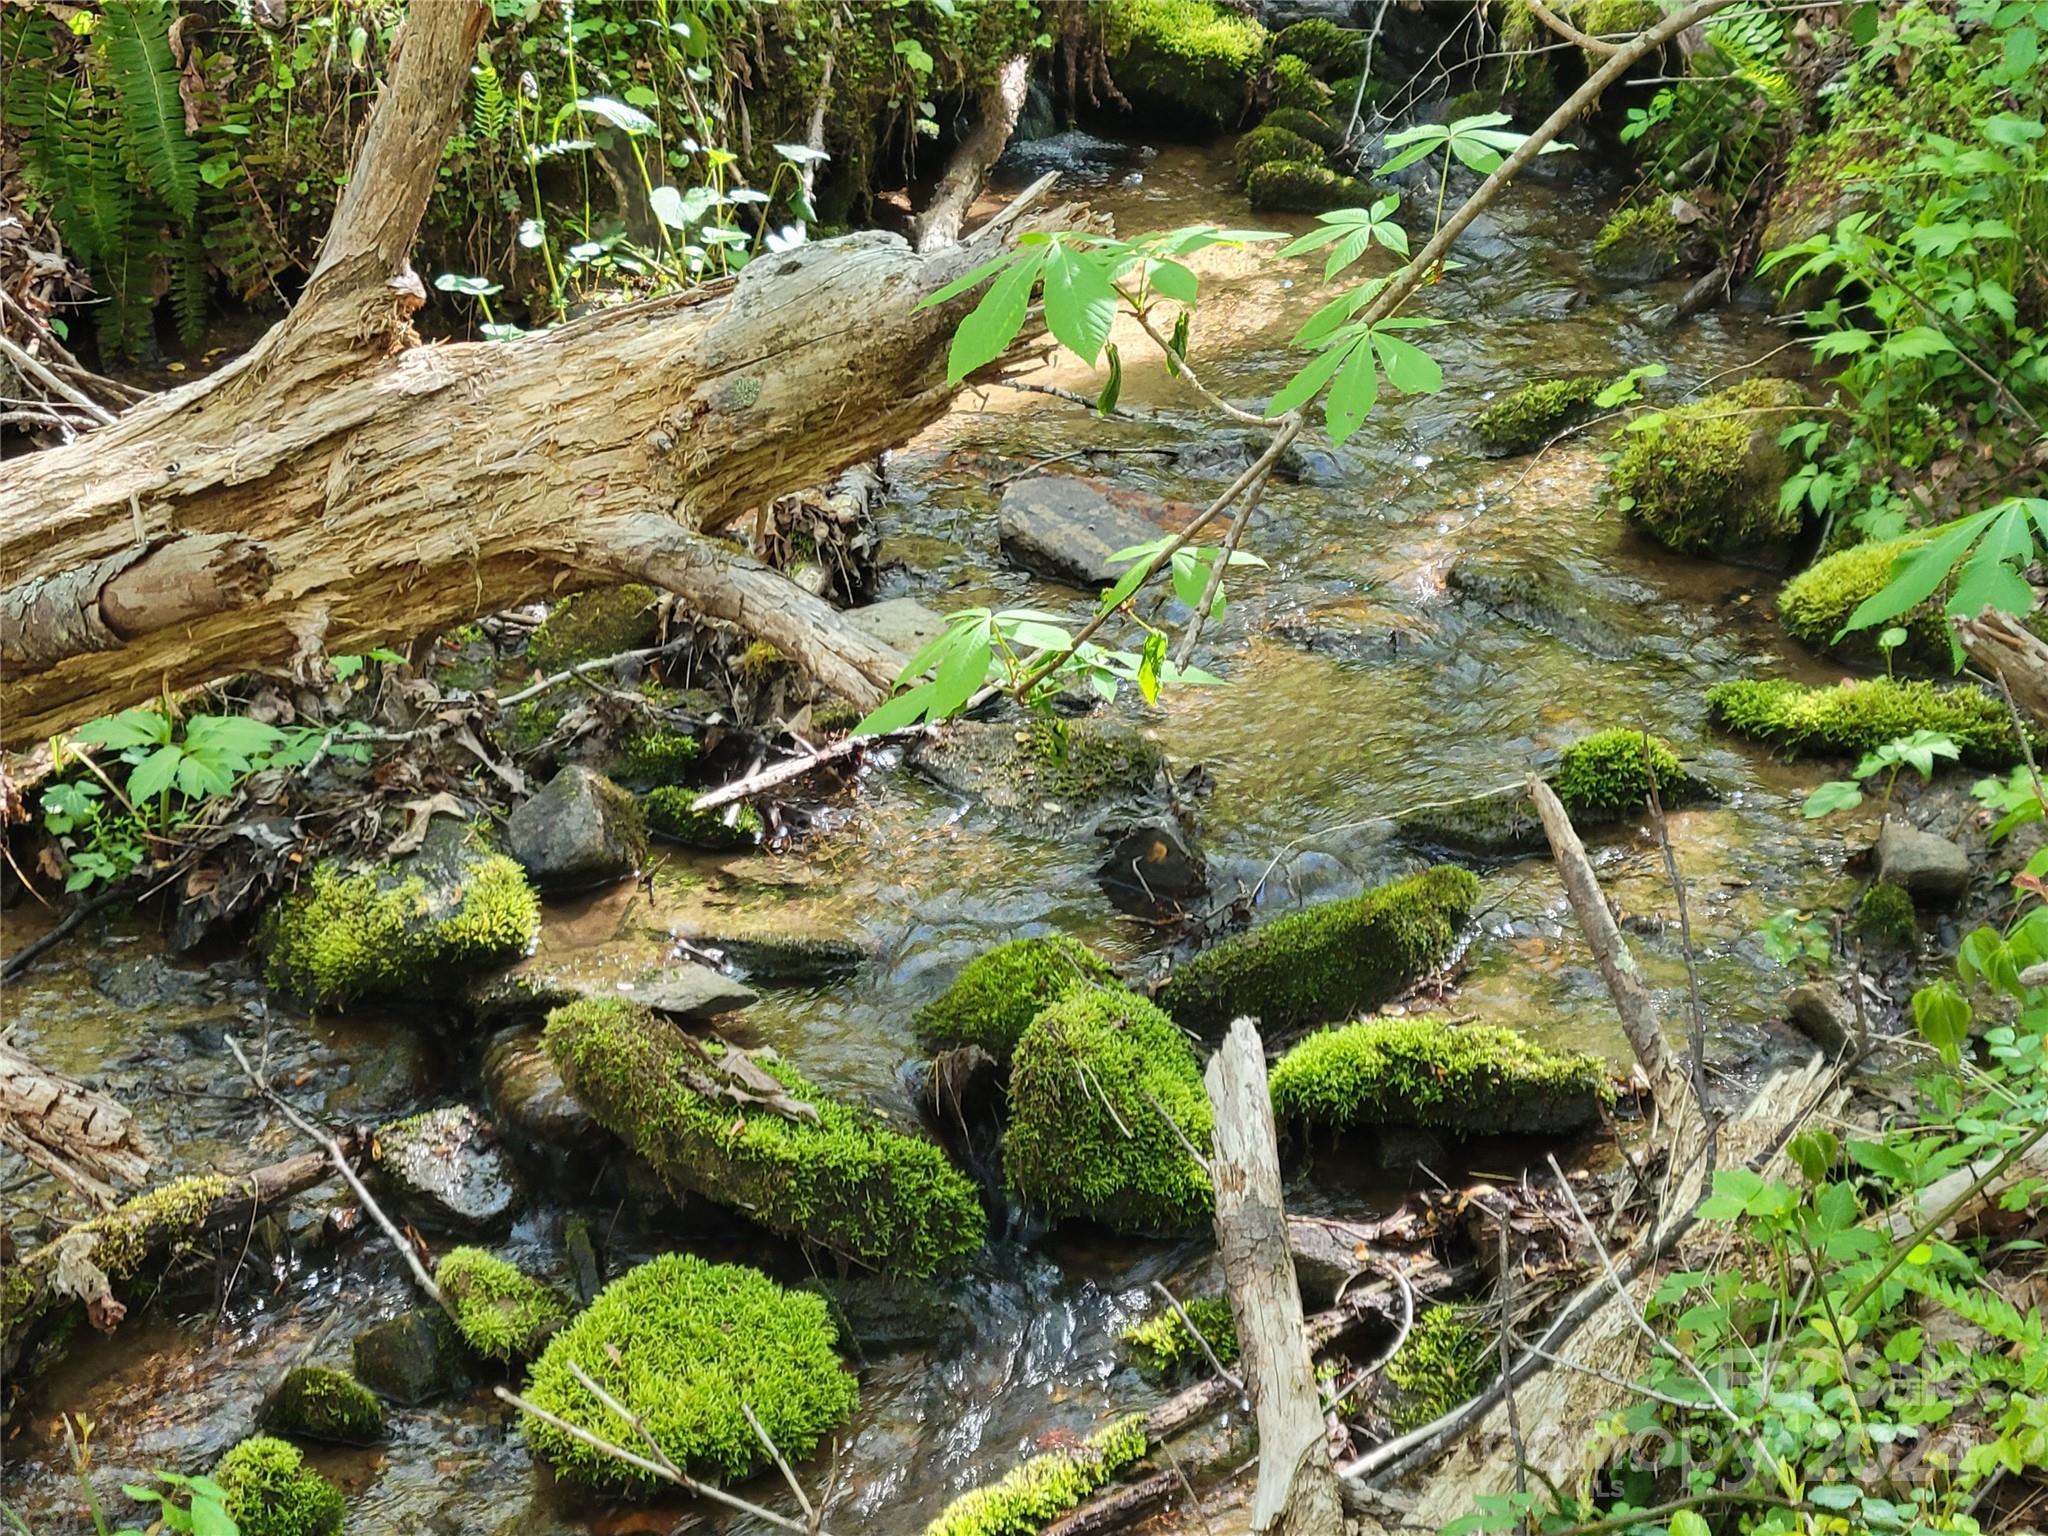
(1358, 684)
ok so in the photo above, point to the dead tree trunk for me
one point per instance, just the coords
(342, 486)
(82, 1137)
(2010, 652)
(1297, 1490)
(1000, 105)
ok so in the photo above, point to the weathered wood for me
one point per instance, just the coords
(967, 169)
(1297, 1488)
(2005, 648)
(76, 1133)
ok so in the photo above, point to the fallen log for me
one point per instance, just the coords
(341, 486)
(998, 110)
(73, 1132)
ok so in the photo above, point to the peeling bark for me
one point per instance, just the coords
(84, 1138)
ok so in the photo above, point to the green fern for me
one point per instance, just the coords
(135, 35)
(189, 286)
(489, 111)
(1982, 1307)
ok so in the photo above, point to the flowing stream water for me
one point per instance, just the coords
(1358, 685)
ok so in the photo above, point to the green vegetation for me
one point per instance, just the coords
(1085, 1139)
(1295, 85)
(682, 1343)
(589, 626)
(1162, 1346)
(1448, 1359)
(1266, 142)
(1328, 962)
(501, 1312)
(1191, 54)
(1473, 1079)
(1857, 717)
(1038, 1491)
(1704, 478)
(1639, 244)
(655, 755)
(315, 1403)
(272, 1492)
(1002, 990)
(672, 812)
(1523, 420)
(1285, 186)
(1303, 124)
(1816, 604)
(837, 1178)
(1608, 774)
(1330, 49)
(1885, 919)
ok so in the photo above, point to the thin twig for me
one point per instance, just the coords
(781, 1464)
(1179, 1135)
(602, 663)
(1570, 33)
(1507, 1363)
(1216, 1365)
(1230, 542)
(31, 365)
(796, 767)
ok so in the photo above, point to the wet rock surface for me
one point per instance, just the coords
(1931, 868)
(446, 1170)
(579, 830)
(1065, 528)
(1047, 774)
(527, 1093)
(412, 1358)
(683, 988)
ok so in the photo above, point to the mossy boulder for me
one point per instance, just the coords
(1294, 84)
(813, 1169)
(1035, 1493)
(1332, 51)
(1611, 773)
(1314, 127)
(1085, 1137)
(1576, 605)
(1523, 420)
(1640, 244)
(1447, 1359)
(501, 1312)
(1856, 717)
(272, 1492)
(588, 626)
(1048, 774)
(316, 1403)
(682, 1343)
(1327, 962)
(672, 813)
(1704, 478)
(1885, 919)
(1289, 186)
(1267, 142)
(411, 928)
(580, 830)
(1189, 55)
(1162, 1347)
(1472, 1080)
(447, 1170)
(412, 1358)
(1816, 603)
(999, 992)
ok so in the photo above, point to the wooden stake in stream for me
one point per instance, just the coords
(1297, 1491)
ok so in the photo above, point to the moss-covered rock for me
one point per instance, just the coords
(589, 626)
(502, 1312)
(1638, 245)
(412, 928)
(315, 1403)
(1314, 127)
(1328, 962)
(412, 1358)
(1816, 603)
(1085, 1139)
(1885, 919)
(1001, 991)
(1295, 85)
(1704, 478)
(1288, 186)
(671, 813)
(579, 830)
(1050, 774)
(655, 754)
(1523, 420)
(1192, 55)
(1447, 1359)
(682, 1343)
(1471, 1080)
(1162, 1347)
(838, 1178)
(272, 1492)
(1038, 1491)
(1332, 51)
(1267, 142)
(1609, 774)
(1856, 717)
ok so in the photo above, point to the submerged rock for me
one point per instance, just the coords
(272, 1492)
(1930, 868)
(901, 623)
(528, 1095)
(1638, 245)
(1049, 774)
(580, 830)
(412, 1358)
(999, 992)
(636, 969)
(789, 957)
(447, 1170)
(1554, 598)
(315, 1403)
(1150, 862)
(887, 1312)
(502, 1313)
(1065, 528)
(1705, 479)
(672, 813)
(1497, 824)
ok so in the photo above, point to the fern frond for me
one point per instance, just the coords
(1981, 1306)
(135, 35)
(243, 247)
(188, 287)
(489, 111)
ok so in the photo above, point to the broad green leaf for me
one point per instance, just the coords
(1302, 388)
(894, 714)
(155, 773)
(1688, 1523)
(1942, 1015)
(1408, 367)
(968, 279)
(628, 120)
(1173, 280)
(1916, 574)
(1080, 304)
(1835, 795)
(993, 323)
(130, 728)
(1113, 386)
(1353, 395)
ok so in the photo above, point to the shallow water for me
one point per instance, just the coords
(1408, 696)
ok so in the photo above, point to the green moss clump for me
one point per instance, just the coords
(126, 1234)
(1524, 419)
(1308, 125)
(1473, 1080)
(1036, 1492)
(501, 1312)
(844, 1182)
(1267, 142)
(1328, 962)
(1885, 918)
(1162, 1346)
(681, 1342)
(1046, 772)
(1288, 186)
(672, 812)
(1816, 603)
(346, 937)
(1705, 478)
(1857, 717)
(1295, 85)
(1447, 1360)
(1084, 1139)
(1197, 56)
(759, 659)
(316, 1403)
(658, 756)
(998, 993)
(1332, 50)
(272, 1492)
(1606, 775)
(590, 625)
(835, 717)
(1638, 245)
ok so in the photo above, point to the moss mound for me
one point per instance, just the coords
(682, 1343)
(1048, 773)
(1084, 1139)
(1295, 85)
(1857, 717)
(1473, 1080)
(1704, 479)
(1162, 1347)
(272, 1492)
(590, 625)
(1329, 49)
(997, 994)
(1318, 130)
(1524, 419)
(1328, 962)
(1609, 774)
(843, 1181)
(1287, 186)
(1638, 245)
(1447, 1360)
(1885, 918)
(501, 1312)
(1266, 142)
(1816, 603)
(1040, 1490)
(315, 1403)
(671, 812)
(658, 756)
(1192, 54)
